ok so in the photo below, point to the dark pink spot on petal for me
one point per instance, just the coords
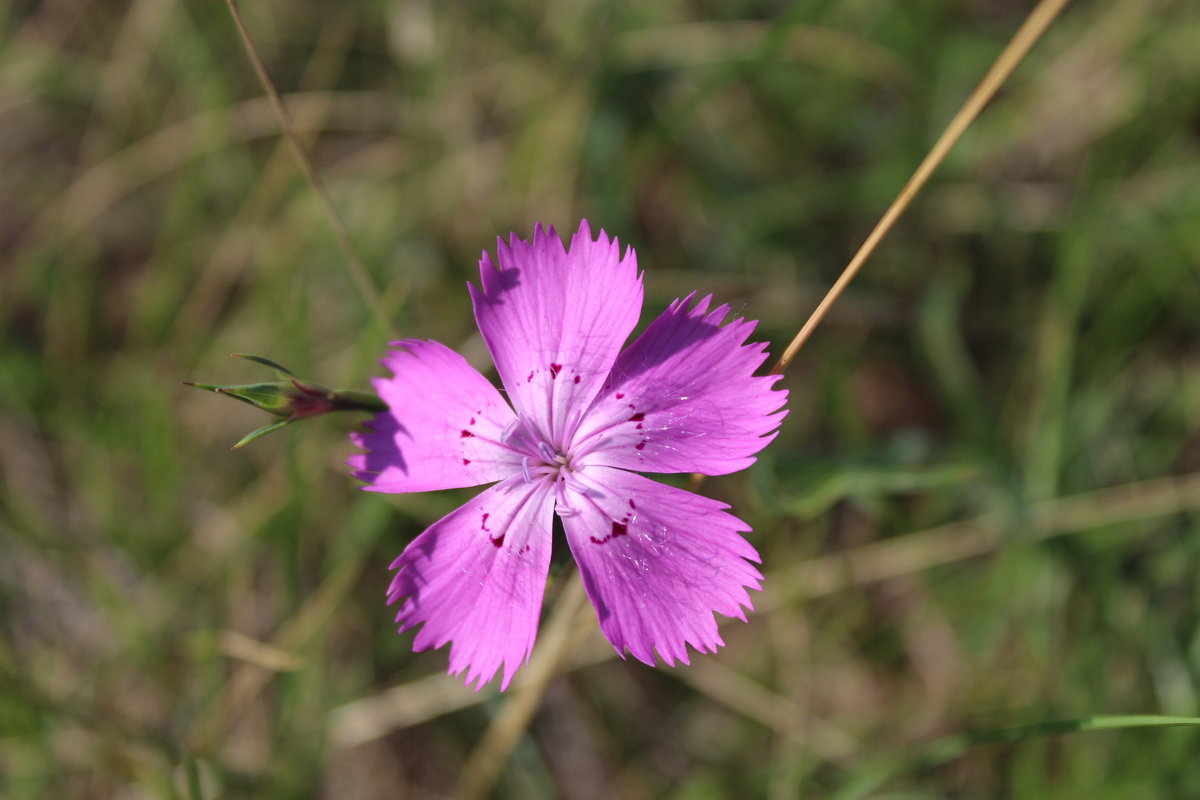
(639, 426)
(466, 461)
(631, 503)
(499, 540)
(638, 417)
(620, 395)
(640, 445)
(577, 379)
(466, 434)
(554, 370)
(530, 378)
(483, 522)
(618, 529)
(472, 422)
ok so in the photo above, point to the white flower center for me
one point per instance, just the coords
(542, 460)
(539, 458)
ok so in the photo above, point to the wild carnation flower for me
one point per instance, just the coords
(656, 561)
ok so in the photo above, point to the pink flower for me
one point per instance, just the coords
(656, 561)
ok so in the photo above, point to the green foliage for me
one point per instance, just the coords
(981, 512)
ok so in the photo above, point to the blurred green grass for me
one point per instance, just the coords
(179, 620)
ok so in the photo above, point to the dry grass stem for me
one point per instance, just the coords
(260, 654)
(1026, 36)
(959, 541)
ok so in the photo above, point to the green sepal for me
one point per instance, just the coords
(283, 372)
(274, 398)
(250, 437)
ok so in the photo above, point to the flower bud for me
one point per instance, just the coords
(290, 398)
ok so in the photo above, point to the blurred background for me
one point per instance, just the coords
(982, 510)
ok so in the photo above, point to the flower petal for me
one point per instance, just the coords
(657, 562)
(476, 578)
(555, 319)
(683, 398)
(443, 427)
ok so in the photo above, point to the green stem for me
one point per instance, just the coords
(945, 750)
